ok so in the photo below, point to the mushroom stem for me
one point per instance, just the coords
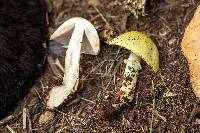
(71, 75)
(126, 91)
(72, 58)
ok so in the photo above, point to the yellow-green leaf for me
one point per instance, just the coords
(141, 45)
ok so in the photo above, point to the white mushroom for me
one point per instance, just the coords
(80, 36)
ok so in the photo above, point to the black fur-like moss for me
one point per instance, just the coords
(23, 29)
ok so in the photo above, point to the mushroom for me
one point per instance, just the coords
(79, 36)
(141, 47)
(190, 47)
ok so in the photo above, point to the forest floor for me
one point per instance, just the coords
(163, 103)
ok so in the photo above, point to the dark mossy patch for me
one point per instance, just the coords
(23, 31)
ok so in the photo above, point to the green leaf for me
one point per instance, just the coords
(141, 45)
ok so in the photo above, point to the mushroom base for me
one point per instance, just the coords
(125, 94)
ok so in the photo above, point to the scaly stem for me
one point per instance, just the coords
(126, 91)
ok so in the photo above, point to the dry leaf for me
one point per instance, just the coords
(46, 117)
(191, 49)
(94, 2)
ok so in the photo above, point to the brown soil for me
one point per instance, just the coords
(163, 102)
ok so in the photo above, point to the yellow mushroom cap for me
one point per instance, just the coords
(140, 45)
